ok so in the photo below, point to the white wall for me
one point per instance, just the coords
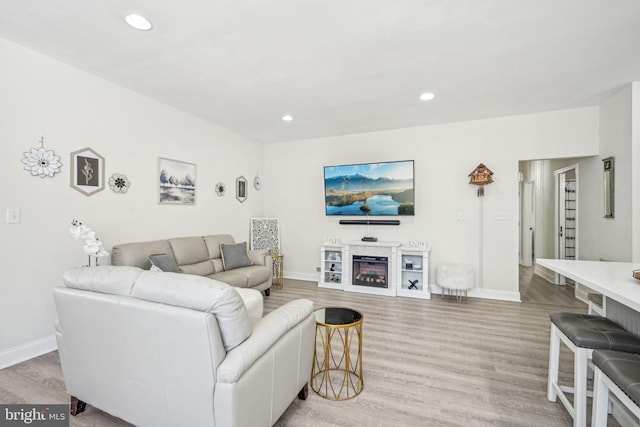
(614, 235)
(444, 155)
(75, 110)
(607, 239)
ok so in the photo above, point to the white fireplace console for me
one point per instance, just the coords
(379, 268)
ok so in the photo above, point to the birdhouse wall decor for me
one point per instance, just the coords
(481, 176)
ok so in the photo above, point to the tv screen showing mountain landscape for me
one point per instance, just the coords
(369, 189)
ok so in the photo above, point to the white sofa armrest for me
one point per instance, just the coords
(265, 334)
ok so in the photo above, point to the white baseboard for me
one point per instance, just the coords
(27, 351)
(545, 273)
(473, 293)
(310, 277)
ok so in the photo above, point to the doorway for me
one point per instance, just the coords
(539, 223)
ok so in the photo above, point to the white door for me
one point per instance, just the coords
(566, 214)
(527, 222)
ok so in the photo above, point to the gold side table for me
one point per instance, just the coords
(337, 358)
(278, 271)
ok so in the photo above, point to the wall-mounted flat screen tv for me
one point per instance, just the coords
(384, 188)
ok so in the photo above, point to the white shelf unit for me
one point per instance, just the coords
(413, 273)
(333, 267)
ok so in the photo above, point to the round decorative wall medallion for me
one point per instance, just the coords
(220, 189)
(119, 183)
(257, 182)
(41, 162)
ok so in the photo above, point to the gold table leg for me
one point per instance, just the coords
(337, 373)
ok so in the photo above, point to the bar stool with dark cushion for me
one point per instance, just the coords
(582, 333)
(618, 373)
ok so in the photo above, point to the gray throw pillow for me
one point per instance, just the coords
(165, 262)
(234, 255)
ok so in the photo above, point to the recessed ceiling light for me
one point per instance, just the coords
(287, 118)
(427, 96)
(138, 22)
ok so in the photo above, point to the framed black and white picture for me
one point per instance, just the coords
(241, 189)
(87, 171)
(176, 182)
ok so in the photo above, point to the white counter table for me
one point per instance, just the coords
(621, 298)
(612, 279)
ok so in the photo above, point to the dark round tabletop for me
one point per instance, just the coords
(337, 316)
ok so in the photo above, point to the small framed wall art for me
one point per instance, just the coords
(87, 171)
(176, 182)
(241, 189)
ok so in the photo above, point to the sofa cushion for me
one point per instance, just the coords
(243, 277)
(235, 278)
(198, 293)
(137, 254)
(203, 268)
(213, 242)
(107, 279)
(217, 265)
(235, 255)
(192, 255)
(164, 262)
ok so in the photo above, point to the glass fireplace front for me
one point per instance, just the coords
(370, 271)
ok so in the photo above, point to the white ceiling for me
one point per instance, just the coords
(343, 66)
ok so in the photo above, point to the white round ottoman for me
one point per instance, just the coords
(455, 277)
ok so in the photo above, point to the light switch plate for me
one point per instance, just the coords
(13, 216)
(502, 216)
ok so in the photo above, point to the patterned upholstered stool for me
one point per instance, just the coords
(582, 334)
(618, 373)
(455, 277)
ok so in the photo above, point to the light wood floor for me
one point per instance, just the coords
(426, 363)
(535, 289)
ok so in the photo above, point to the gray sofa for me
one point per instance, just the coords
(202, 256)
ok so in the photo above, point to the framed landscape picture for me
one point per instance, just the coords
(87, 171)
(176, 182)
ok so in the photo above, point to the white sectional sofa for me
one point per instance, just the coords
(170, 349)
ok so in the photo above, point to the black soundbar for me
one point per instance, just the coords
(370, 221)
